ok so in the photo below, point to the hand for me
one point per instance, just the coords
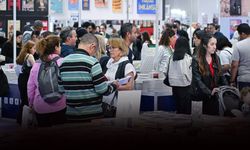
(233, 84)
(116, 83)
(2, 58)
(215, 90)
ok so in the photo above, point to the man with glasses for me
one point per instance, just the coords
(83, 81)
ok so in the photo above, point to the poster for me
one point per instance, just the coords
(18, 5)
(225, 8)
(233, 22)
(28, 5)
(85, 4)
(146, 6)
(117, 6)
(41, 5)
(45, 25)
(245, 5)
(3, 5)
(56, 6)
(73, 4)
(10, 26)
(235, 7)
(101, 3)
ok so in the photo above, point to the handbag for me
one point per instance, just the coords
(109, 110)
(4, 88)
(28, 117)
(166, 80)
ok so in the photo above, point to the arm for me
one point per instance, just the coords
(31, 59)
(197, 78)
(31, 87)
(99, 80)
(129, 85)
(157, 58)
(234, 70)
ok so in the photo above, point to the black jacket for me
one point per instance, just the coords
(205, 84)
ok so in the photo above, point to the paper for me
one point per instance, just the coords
(124, 80)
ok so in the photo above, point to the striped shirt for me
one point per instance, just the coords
(84, 85)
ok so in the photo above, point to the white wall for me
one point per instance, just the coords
(106, 13)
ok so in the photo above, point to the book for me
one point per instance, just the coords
(124, 80)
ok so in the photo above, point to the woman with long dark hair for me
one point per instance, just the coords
(207, 74)
(180, 75)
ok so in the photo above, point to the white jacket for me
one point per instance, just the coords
(180, 72)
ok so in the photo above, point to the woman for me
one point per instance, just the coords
(119, 67)
(207, 74)
(197, 40)
(164, 51)
(180, 75)
(146, 38)
(8, 49)
(26, 60)
(225, 53)
(47, 114)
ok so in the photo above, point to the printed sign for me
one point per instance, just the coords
(146, 6)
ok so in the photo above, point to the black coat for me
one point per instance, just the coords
(204, 83)
(8, 51)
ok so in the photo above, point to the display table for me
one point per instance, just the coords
(10, 104)
(155, 94)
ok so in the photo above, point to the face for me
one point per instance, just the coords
(132, 35)
(73, 38)
(58, 49)
(115, 52)
(211, 29)
(33, 50)
(102, 29)
(211, 46)
(197, 41)
(19, 39)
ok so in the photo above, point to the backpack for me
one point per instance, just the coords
(229, 99)
(48, 78)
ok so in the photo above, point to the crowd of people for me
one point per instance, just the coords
(90, 62)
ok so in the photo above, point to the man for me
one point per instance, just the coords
(84, 82)
(215, 30)
(68, 37)
(38, 26)
(128, 33)
(103, 29)
(241, 58)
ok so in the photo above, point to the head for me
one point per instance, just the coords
(243, 30)
(117, 48)
(223, 42)
(87, 26)
(178, 24)
(167, 37)
(128, 33)
(90, 43)
(181, 48)
(207, 47)
(211, 28)
(28, 48)
(19, 36)
(38, 25)
(102, 46)
(103, 27)
(197, 37)
(68, 36)
(245, 95)
(35, 35)
(146, 37)
(47, 46)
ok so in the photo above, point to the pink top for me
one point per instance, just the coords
(35, 99)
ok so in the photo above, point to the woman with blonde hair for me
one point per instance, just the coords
(118, 67)
(102, 46)
(47, 114)
(26, 60)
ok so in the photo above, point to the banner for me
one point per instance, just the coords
(56, 6)
(28, 5)
(3, 5)
(146, 6)
(101, 3)
(18, 5)
(85, 4)
(117, 6)
(73, 4)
